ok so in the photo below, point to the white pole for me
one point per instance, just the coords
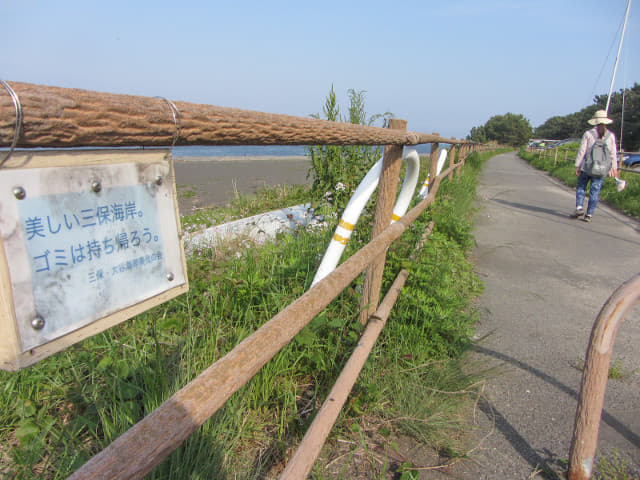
(356, 204)
(615, 67)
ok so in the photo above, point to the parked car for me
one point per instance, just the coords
(567, 141)
(631, 160)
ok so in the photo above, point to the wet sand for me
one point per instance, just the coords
(213, 181)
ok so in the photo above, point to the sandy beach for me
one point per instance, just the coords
(212, 181)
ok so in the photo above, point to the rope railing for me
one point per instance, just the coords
(53, 117)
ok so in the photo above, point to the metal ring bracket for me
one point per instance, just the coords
(177, 121)
(18, 125)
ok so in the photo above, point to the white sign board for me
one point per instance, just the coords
(83, 242)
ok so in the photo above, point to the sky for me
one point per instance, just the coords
(444, 66)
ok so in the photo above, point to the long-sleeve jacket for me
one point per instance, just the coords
(589, 138)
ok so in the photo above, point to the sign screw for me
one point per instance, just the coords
(96, 186)
(37, 323)
(159, 180)
(19, 193)
(170, 276)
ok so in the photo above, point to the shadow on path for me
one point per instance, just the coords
(544, 464)
(563, 215)
(609, 419)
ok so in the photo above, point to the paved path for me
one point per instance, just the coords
(546, 278)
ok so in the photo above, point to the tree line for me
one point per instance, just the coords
(515, 130)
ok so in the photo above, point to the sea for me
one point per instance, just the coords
(273, 151)
(253, 151)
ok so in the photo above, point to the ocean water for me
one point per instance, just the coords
(252, 151)
(239, 151)
(221, 151)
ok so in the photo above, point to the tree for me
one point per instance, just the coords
(509, 129)
(574, 124)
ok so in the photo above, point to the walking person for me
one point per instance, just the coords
(595, 161)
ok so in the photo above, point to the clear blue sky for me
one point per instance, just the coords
(444, 66)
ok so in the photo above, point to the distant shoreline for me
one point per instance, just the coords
(240, 158)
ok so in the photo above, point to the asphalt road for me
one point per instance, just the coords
(546, 278)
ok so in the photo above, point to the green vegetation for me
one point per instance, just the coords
(509, 129)
(61, 411)
(627, 201)
(338, 170)
(574, 124)
(68, 407)
(614, 467)
(269, 198)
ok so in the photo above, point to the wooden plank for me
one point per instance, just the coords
(303, 459)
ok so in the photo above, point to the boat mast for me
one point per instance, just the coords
(615, 67)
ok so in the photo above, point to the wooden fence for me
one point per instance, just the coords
(561, 154)
(58, 117)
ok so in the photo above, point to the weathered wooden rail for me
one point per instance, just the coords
(58, 117)
(595, 375)
(63, 117)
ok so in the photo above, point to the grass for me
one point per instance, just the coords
(617, 370)
(242, 206)
(61, 411)
(627, 201)
(614, 467)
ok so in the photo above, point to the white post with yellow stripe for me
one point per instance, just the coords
(442, 157)
(412, 160)
(357, 203)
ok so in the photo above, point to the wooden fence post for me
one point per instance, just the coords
(464, 151)
(452, 158)
(387, 188)
(433, 165)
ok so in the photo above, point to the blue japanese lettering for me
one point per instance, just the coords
(103, 214)
(130, 209)
(77, 253)
(53, 230)
(93, 249)
(60, 257)
(34, 227)
(122, 240)
(44, 260)
(117, 211)
(88, 219)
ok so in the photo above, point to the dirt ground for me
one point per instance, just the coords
(213, 181)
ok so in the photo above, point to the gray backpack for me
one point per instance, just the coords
(597, 162)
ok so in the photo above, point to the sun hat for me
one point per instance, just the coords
(600, 117)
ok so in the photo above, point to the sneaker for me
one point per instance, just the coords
(587, 218)
(579, 211)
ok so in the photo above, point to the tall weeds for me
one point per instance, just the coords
(59, 412)
(337, 170)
